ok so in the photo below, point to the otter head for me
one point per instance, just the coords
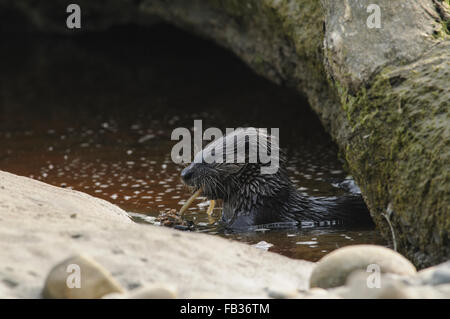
(232, 163)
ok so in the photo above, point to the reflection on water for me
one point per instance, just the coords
(95, 113)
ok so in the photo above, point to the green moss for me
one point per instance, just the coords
(399, 152)
(446, 26)
(444, 30)
(445, 23)
(296, 24)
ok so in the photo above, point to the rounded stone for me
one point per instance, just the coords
(114, 295)
(282, 292)
(334, 268)
(156, 291)
(319, 293)
(436, 275)
(79, 277)
(205, 295)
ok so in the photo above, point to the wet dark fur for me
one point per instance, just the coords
(251, 198)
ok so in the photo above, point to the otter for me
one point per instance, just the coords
(251, 198)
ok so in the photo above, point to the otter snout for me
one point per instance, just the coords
(187, 174)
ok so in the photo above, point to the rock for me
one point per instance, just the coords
(205, 295)
(334, 268)
(383, 81)
(443, 290)
(437, 275)
(115, 295)
(319, 293)
(430, 283)
(285, 292)
(156, 291)
(357, 287)
(36, 222)
(391, 287)
(94, 280)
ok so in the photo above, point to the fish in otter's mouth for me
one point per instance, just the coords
(234, 169)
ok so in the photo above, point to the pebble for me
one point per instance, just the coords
(334, 268)
(155, 291)
(94, 280)
(436, 275)
(282, 292)
(114, 295)
(205, 295)
(391, 287)
(319, 293)
(263, 245)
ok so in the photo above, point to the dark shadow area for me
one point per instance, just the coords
(155, 72)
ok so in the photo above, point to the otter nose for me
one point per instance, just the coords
(186, 173)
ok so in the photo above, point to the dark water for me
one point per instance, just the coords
(95, 113)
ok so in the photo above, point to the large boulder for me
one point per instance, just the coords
(382, 93)
(43, 225)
